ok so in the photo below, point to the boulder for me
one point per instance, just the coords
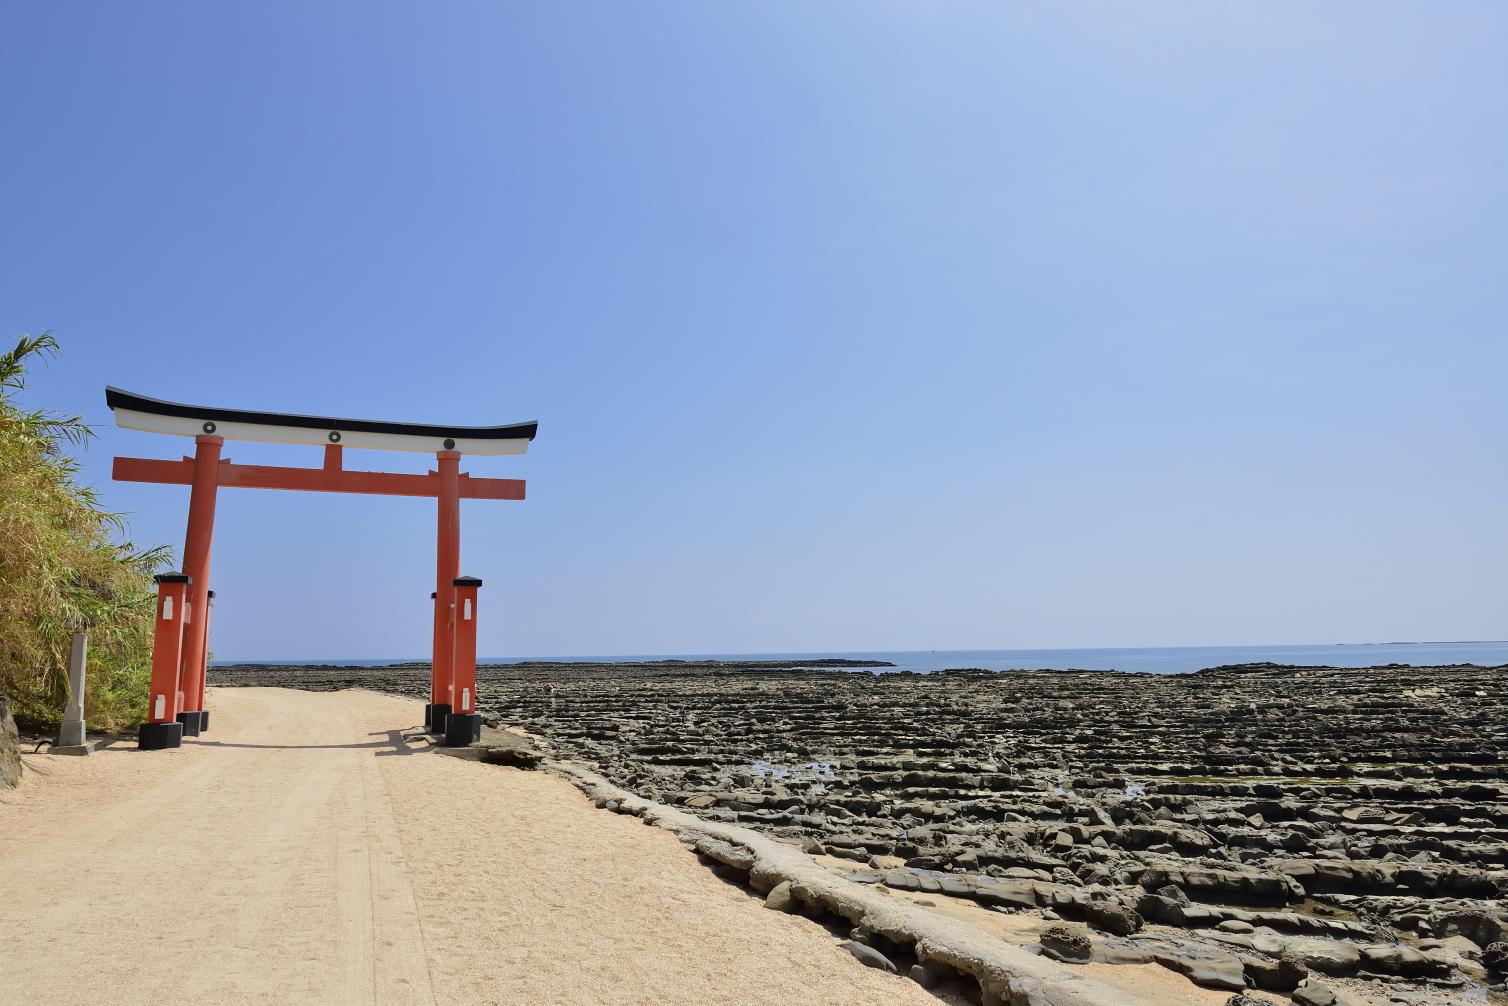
(1009, 896)
(1173, 893)
(1458, 945)
(868, 956)
(780, 899)
(1112, 917)
(1481, 928)
(516, 755)
(1272, 974)
(10, 747)
(1222, 885)
(1330, 957)
(928, 975)
(1156, 908)
(1065, 943)
(1201, 965)
(1495, 958)
(1312, 993)
(1398, 959)
(728, 854)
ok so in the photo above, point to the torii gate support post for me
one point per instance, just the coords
(464, 726)
(447, 569)
(209, 605)
(434, 662)
(196, 549)
(162, 729)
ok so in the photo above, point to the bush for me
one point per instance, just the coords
(62, 564)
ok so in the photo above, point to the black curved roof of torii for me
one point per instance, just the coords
(115, 398)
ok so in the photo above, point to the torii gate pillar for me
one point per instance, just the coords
(201, 530)
(447, 568)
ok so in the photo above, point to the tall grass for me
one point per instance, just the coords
(63, 563)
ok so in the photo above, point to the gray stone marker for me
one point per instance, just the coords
(71, 738)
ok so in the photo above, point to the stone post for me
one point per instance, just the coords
(71, 737)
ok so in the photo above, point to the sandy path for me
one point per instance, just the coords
(303, 852)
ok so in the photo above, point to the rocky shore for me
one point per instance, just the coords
(1312, 832)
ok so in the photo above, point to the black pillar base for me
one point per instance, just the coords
(203, 720)
(157, 736)
(436, 713)
(462, 729)
(190, 723)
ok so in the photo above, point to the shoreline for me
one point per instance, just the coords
(1354, 818)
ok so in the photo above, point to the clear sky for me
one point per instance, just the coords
(847, 325)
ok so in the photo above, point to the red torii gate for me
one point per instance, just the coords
(180, 646)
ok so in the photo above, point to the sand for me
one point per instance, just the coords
(303, 851)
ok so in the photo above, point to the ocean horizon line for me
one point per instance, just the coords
(1154, 659)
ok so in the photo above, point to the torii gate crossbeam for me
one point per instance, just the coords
(176, 705)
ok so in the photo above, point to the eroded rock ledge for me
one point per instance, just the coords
(942, 947)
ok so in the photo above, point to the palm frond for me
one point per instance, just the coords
(63, 559)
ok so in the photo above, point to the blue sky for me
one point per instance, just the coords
(848, 325)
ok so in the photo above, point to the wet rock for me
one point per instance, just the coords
(1495, 958)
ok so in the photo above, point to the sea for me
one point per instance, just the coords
(1141, 659)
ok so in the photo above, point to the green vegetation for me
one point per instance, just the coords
(61, 564)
